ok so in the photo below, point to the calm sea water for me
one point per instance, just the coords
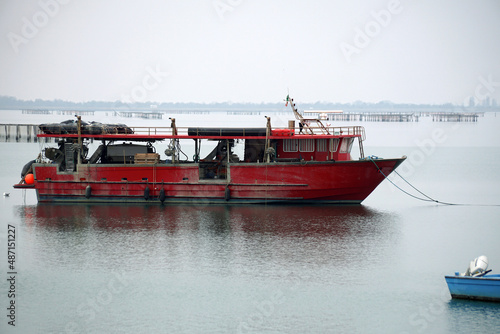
(372, 268)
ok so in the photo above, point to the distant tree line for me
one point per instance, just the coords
(12, 103)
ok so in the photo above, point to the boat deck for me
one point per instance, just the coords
(160, 133)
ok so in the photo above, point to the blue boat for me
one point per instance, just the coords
(476, 283)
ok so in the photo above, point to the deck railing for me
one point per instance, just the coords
(356, 131)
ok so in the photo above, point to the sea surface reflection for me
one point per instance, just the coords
(228, 258)
(286, 235)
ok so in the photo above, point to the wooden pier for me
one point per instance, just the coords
(57, 112)
(20, 133)
(405, 117)
(139, 114)
(454, 117)
(374, 117)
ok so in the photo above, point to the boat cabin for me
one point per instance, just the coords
(314, 149)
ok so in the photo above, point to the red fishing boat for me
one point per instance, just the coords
(307, 162)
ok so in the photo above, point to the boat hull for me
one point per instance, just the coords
(342, 182)
(485, 288)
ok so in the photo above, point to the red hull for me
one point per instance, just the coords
(311, 182)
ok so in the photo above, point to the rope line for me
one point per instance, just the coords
(428, 199)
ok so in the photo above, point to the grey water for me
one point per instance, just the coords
(373, 268)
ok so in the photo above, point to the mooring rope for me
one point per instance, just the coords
(428, 198)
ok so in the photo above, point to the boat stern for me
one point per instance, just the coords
(486, 288)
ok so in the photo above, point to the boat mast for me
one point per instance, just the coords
(173, 142)
(268, 133)
(305, 122)
(297, 115)
(80, 148)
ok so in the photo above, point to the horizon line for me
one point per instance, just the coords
(152, 104)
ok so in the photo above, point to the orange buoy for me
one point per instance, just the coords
(29, 179)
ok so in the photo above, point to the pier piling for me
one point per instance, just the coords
(19, 132)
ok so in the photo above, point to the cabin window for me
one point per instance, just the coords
(306, 145)
(321, 145)
(290, 145)
(334, 144)
(346, 145)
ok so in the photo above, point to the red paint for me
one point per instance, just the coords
(350, 181)
(312, 168)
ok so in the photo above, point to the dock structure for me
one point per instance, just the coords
(454, 117)
(75, 112)
(57, 112)
(36, 112)
(405, 116)
(20, 133)
(139, 114)
(374, 117)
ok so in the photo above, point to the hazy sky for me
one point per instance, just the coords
(250, 50)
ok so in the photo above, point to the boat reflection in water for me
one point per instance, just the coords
(292, 221)
(235, 237)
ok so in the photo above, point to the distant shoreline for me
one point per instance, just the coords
(10, 103)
